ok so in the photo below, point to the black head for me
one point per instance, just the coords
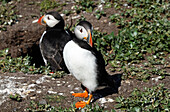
(87, 25)
(52, 20)
(83, 31)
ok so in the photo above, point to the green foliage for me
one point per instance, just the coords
(103, 44)
(155, 99)
(55, 98)
(50, 4)
(95, 108)
(8, 64)
(36, 107)
(84, 5)
(143, 70)
(8, 15)
(16, 97)
(99, 14)
(144, 29)
(67, 12)
(142, 73)
(57, 74)
(108, 4)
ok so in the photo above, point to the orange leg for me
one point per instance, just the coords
(82, 104)
(83, 95)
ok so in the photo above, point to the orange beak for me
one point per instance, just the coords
(90, 39)
(41, 21)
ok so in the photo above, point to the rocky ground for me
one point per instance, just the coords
(22, 39)
(57, 92)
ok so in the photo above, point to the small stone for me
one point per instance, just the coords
(59, 84)
(33, 98)
(38, 82)
(28, 92)
(102, 100)
(127, 81)
(105, 21)
(71, 92)
(57, 81)
(125, 5)
(38, 91)
(52, 92)
(110, 100)
(31, 85)
(60, 94)
(76, 88)
(42, 102)
(96, 28)
(110, 23)
(75, 17)
(62, 15)
(157, 78)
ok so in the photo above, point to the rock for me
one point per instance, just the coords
(102, 100)
(52, 92)
(33, 98)
(110, 100)
(42, 102)
(96, 28)
(61, 94)
(59, 84)
(105, 21)
(39, 91)
(157, 78)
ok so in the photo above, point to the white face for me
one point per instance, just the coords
(81, 32)
(50, 20)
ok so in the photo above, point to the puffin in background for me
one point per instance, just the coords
(53, 40)
(85, 63)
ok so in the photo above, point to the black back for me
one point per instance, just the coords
(53, 43)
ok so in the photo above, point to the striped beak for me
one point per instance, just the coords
(89, 39)
(41, 20)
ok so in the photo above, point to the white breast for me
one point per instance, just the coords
(82, 64)
(45, 61)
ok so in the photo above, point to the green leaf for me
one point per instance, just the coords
(118, 105)
(137, 109)
(98, 16)
(118, 99)
(156, 104)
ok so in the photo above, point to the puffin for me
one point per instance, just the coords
(53, 40)
(85, 63)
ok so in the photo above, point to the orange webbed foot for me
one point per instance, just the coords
(83, 95)
(81, 104)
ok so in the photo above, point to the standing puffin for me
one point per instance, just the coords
(53, 40)
(85, 63)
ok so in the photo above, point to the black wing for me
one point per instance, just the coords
(52, 47)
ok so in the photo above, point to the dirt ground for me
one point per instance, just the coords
(39, 88)
(22, 39)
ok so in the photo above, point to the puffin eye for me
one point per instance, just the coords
(48, 18)
(81, 30)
